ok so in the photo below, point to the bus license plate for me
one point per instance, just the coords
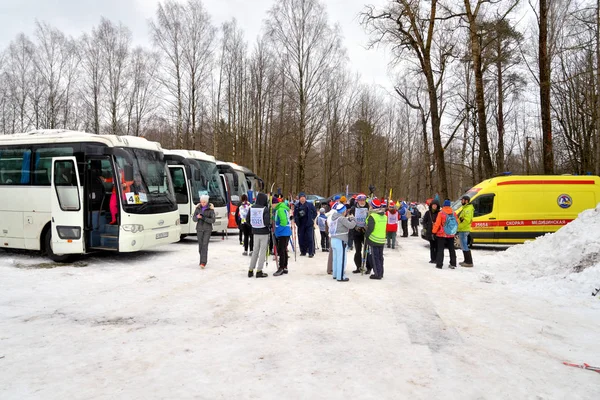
(162, 235)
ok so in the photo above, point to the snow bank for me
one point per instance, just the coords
(566, 262)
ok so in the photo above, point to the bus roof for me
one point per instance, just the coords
(193, 154)
(240, 168)
(68, 136)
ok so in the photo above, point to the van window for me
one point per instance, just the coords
(483, 205)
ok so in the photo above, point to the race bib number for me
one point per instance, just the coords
(256, 218)
(392, 218)
(361, 216)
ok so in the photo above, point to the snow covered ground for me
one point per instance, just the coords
(153, 325)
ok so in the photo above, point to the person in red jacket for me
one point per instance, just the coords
(391, 229)
(444, 229)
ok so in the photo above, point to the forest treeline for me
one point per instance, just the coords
(479, 89)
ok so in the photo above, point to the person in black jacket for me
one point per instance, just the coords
(260, 220)
(415, 216)
(428, 222)
(204, 216)
(304, 216)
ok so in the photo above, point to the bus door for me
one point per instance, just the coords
(183, 196)
(97, 192)
(66, 207)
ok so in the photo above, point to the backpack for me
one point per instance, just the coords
(450, 225)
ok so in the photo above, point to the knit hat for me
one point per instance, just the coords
(361, 196)
(375, 203)
(336, 197)
(275, 200)
(447, 203)
(301, 194)
(321, 210)
(205, 197)
(392, 204)
(340, 208)
(343, 199)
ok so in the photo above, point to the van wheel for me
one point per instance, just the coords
(48, 249)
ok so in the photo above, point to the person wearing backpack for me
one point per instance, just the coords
(445, 228)
(241, 218)
(404, 218)
(464, 228)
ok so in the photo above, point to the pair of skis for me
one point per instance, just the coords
(583, 366)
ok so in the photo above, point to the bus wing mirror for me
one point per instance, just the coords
(198, 176)
(188, 171)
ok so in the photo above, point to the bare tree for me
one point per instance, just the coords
(167, 36)
(115, 41)
(309, 49)
(410, 27)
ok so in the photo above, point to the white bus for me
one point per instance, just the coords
(57, 193)
(195, 173)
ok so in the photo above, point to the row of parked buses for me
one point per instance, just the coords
(66, 192)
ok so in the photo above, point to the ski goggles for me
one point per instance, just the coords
(361, 197)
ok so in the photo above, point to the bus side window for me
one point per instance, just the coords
(483, 205)
(43, 163)
(15, 166)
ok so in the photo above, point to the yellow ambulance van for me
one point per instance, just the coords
(512, 209)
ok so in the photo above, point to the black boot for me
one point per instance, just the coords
(260, 274)
(468, 259)
(278, 272)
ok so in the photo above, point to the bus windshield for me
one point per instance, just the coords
(208, 183)
(151, 190)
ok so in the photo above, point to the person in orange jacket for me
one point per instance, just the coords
(114, 205)
(444, 229)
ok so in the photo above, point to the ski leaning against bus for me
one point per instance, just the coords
(375, 234)
(283, 231)
(204, 217)
(260, 220)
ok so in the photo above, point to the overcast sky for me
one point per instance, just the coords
(77, 16)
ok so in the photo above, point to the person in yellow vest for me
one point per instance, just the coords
(375, 234)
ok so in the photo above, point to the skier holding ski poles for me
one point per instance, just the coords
(282, 234)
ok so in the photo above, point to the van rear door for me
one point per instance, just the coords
(484, 227)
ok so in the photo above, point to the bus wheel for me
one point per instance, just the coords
(48, 249)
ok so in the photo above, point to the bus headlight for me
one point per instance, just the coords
(133, 228)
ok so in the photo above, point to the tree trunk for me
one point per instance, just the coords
(544, 66)
(484, 148)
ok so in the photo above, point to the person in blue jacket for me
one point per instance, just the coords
(404, 218)
(304, 216)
